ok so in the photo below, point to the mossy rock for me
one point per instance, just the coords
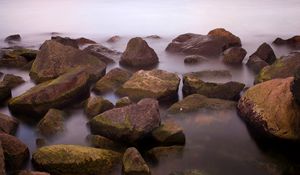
(97, 105)
(17, 58)
(52, 123)
(134, 164)
(164, 153)
(98, 141)
(125, 101)
(74, 159)
(12, 81)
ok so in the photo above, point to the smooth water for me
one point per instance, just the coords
(218, 142)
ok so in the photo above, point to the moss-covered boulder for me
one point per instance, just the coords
(96, 105)
(158, 84)
(189, 172)
(166, 152)
(2, 161)
(282, 68)
(129, 123)
(196, 102)
(112, 80)
(234, 55)
(17, 58)
(55, 59)
(195, 44)
(98, 141)
(73, 159)
(12, 81)
(16, 152)
(168, 134)
(270, 109)
(133, 163)
(266, 53)
(124, 101)
(56, 93)
(138, 54)
(233, 41)
(103, 53)
(52, 123)
(192, 84)
(8, 125)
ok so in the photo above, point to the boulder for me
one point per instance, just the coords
(125, 101)
(5, 93)
(104, 54)
(138, 54)
(282, 68)
(192, 84)
(16, 152)
(129, 123)
(98, 141)
(55, 59)
(2, 161)
(64, 90)
(112, 80)
(188, 172)
(13, 38)
(193, 59)
(8, 125)
(12, 81)
(234, 55)
(295, 86)
(266, 53)
(17, 58)
(158, 84)
(195, 44)
(65, 41)
(169, 134)
(292, 42)
(153, 37)
(73, 159)
(113, 39)
(133, 163)
(256, 64)
(96, 105)
(27, 172)
(233, 41)
(196, 102)
(159, 153)
(269, 109)
(52, 123)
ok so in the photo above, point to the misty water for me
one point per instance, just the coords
(217, 142)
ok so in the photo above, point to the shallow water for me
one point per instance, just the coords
(217, 142)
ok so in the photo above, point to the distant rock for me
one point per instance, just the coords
(66, 41)
(153, 37)
(96, 105)
(158, 84)
(13, 38)
(52, 123)
(125, 101)
(138, 54)
(234, 55)
(11, 81)
(8, 124)
(103, 53)
(266, 53)
(195, 44)
(134, 164)
(292, 42)
(256, 64)
(194, 59)
(233, 40)
(114, 39)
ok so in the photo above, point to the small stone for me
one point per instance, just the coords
(169, 134)
(125, 101)
(134, 164)
(52, 123)
(8, 125)
(11, 81)
(98, 141)
(234, 55)
(114, 39)
(97, 105)
(158, 153)
(193, 59)
(13, 38)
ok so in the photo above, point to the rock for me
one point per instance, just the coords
(212, 74)
(195, 44)
(133, 163)
(269, 108)
(97, 105)
(295, 86)
(153, 37)
(169, 134)
(189, 172)
(138, 54)
(13, 38)
(17, 58)
(103, 53)
(158, 84)
(195, 102)
(8, 125)
(73, 159)
(234, 55)
(98, 141)
(125, 101)
(5, 93)
(57, 93)
(52, 123)
(27, 172)
(66, 41)
(158, 153)
(55, 59)
(16, 152)
(129, 123)
(193, 59)
(192, 84)
(11, 81)
(256, 64)
(113, 39)
(266, 53)
(293, 42)
(2, 161)
(282, 68)
(112, 80)
(83, 41)
(233, 40)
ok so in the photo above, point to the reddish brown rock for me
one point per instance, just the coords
(233, 40)
(8, 125)
(234, 55)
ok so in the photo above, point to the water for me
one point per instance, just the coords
(217, 142)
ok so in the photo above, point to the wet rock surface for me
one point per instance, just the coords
(97, 105)
(52, 123)
(256, 64)
(233, 41)
(133, 163)
(125, 101)
(234, 55)
(98, 141)
(103, 53)
(11, 81)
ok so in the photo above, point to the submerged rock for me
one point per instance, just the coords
(269, 108)
(195, 102)
(104, 143)
(266, 53)
(157, 84)
(195, 44)
(129, 123)
(158, 153)
(12, 81)
(282, 68)
(16, 152)
(193, 59)
(125, 101)
(97, 105)
(57, 93)
(192, 84)
(234, 55)
(103, 53)
(138, 54)
(2, 161)
(134, 164)
(17, 58)
(73, 159)
(112, 80)
(52, 123)
(13, 38)
(8, 125)
(55, 59)
(256, 64)
(233, 40)
(113, 39)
